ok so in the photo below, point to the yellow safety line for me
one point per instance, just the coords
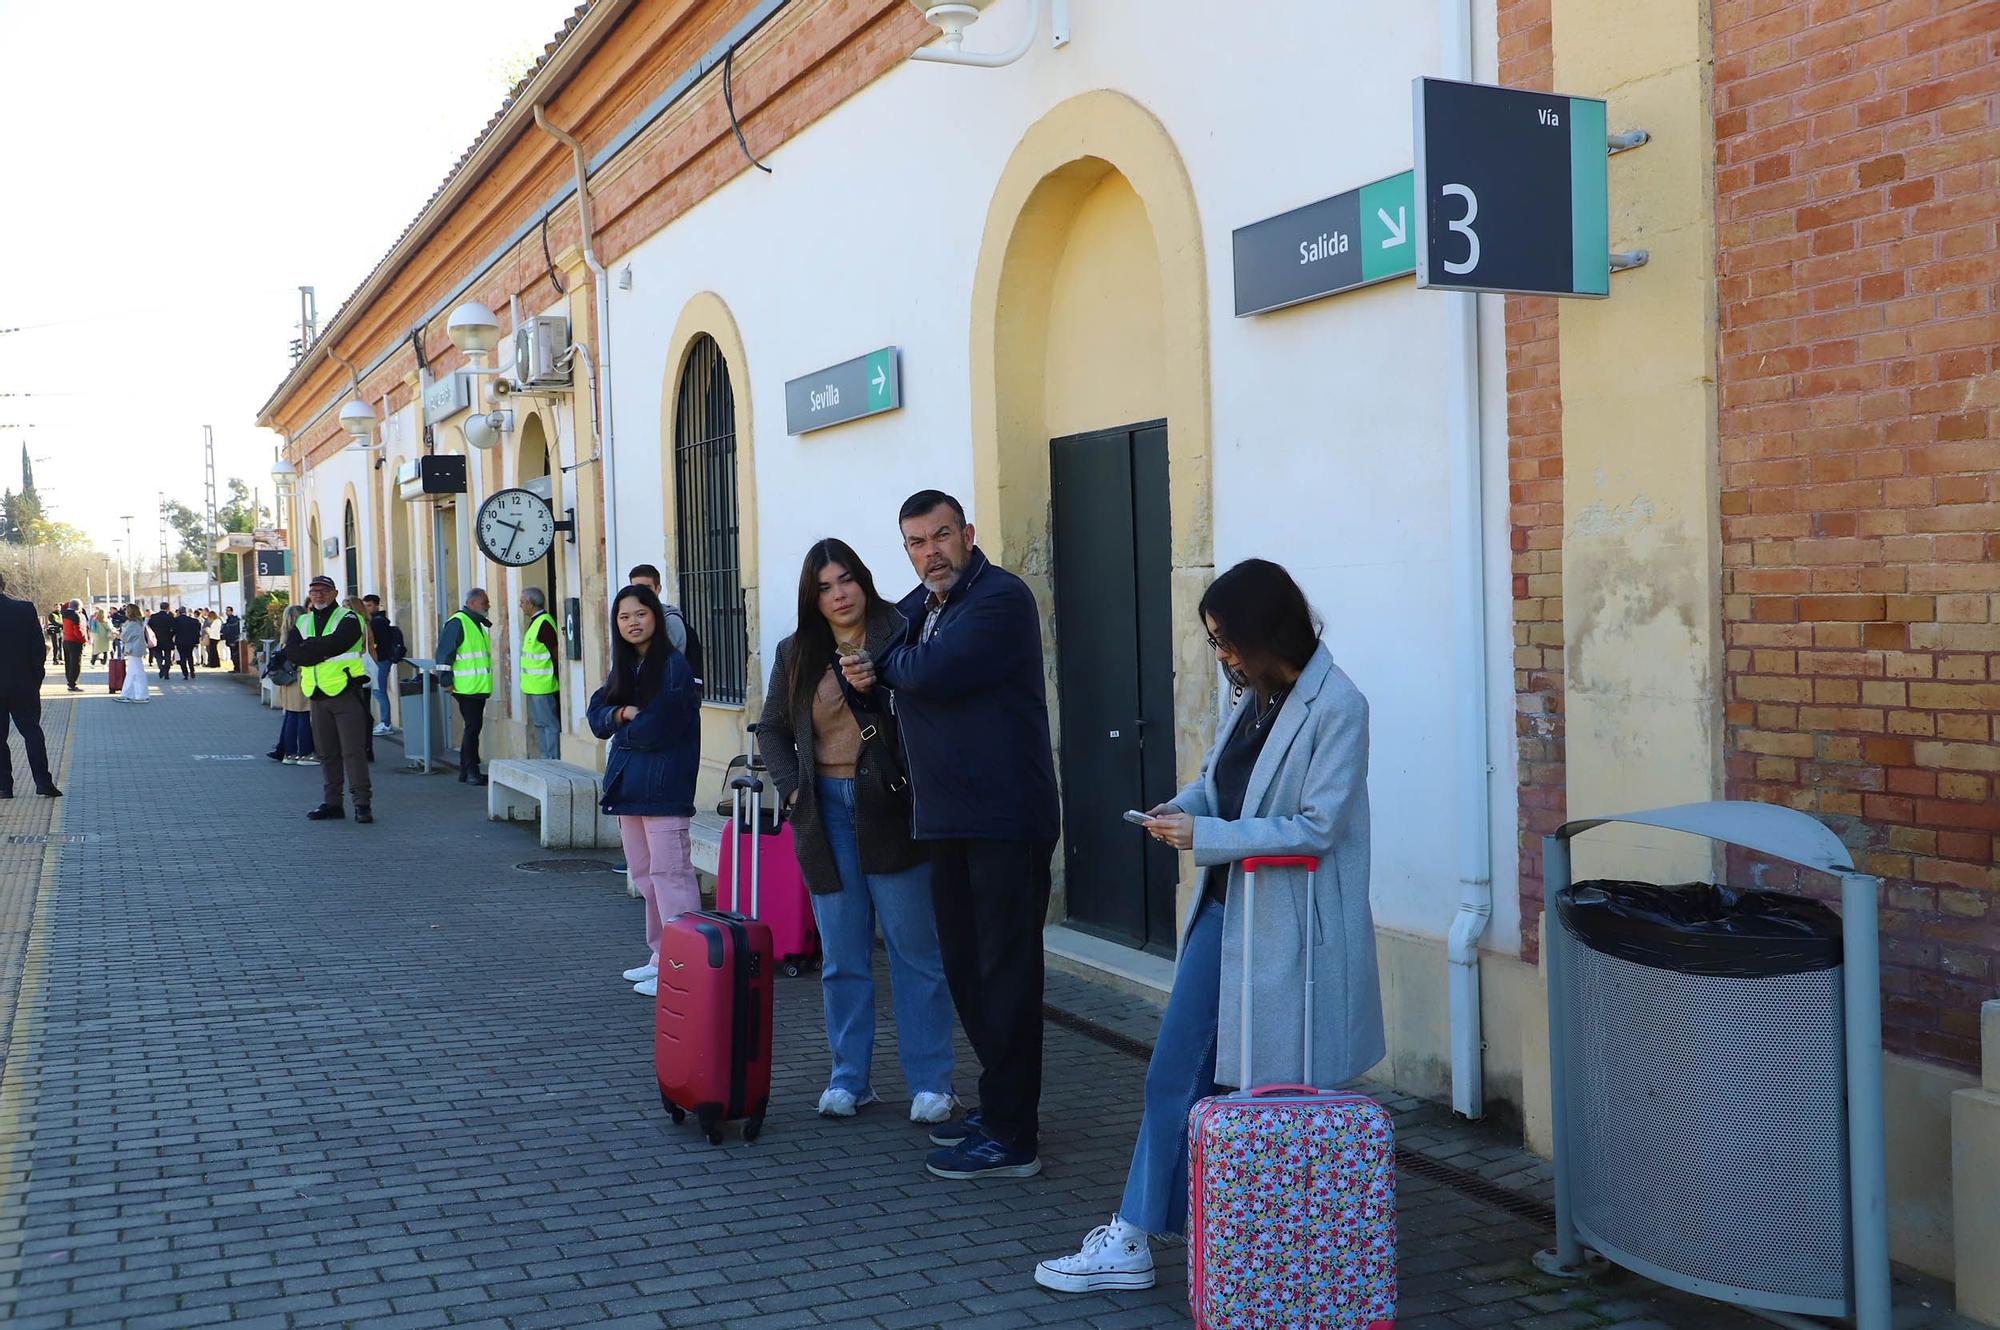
(18, 1097)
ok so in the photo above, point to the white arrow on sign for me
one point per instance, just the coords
(1395, 225)
(880, 378)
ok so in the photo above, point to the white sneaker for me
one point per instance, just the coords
(647, 987)
(1115, 1255)
(646, 971)
(930, 1106)
(308, 761)
(289, 760)
(383, 729)
(839, 1103)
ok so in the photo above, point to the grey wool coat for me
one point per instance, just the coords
(1307, 795)
(785, 739)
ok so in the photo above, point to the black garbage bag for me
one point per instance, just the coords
(1702, 928)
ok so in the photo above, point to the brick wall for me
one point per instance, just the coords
(1534, 473)
(1857, 192)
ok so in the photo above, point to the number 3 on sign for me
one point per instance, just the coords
(1464, 227)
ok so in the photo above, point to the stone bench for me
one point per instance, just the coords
(561, 795)
(705, 843)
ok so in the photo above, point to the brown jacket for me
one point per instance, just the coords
(785, 738)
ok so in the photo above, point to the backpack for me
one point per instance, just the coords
(390, 646)
(693, 648)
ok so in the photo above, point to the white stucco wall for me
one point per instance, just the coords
(1327, 419)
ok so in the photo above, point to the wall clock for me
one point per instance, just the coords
(515, 527)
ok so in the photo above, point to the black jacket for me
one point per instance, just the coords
(232, 629)
(388, 637)
(786, 740)
(24, 653)
(974, 712)
(162, 626)
(303, 650)
(187, 632)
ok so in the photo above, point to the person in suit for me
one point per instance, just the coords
(1288, 775)
(187, 640)
(22, 669)
(161, 628)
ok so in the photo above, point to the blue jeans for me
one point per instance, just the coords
(1182, 1072)
(846, 921)
(384, 671)
(295, 735)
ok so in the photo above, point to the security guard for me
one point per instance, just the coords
(540, 646)
(327, 644)
(465, 649)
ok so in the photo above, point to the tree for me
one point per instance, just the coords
(237, 515)
(192, 528)
(20, 515)
(45, 574)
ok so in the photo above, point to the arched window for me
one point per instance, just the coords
(349, 552)
(711, 590)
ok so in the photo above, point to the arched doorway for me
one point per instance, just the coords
(1090, 450)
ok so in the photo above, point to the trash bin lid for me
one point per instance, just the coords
(1702, 928)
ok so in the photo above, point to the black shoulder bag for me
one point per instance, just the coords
(882, 758)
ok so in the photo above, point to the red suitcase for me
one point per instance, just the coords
(775, 893)
(118, 674)
(712, 1021)
(1291, 1190)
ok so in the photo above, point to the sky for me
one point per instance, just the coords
(172, 174)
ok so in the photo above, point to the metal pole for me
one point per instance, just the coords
(1555, 881)
(1866, 1151)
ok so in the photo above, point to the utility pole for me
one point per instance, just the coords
(166, 578)
(130, 586)
(213, 561)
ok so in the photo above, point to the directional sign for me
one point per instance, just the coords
(274, 563)
(1512, 191)
(1350, 240)
(864, 386)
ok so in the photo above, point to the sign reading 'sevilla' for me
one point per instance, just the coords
(864, 386)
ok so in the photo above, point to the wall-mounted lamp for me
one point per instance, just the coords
(953, 18)
(474, 330)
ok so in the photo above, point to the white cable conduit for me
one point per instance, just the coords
(600, 366)
(1468, 564)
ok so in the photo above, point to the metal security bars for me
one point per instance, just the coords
(705, 523)
(349, 539)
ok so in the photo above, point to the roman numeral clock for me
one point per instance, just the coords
(516, 527)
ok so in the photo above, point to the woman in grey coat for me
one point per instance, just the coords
(833, 755)
(1288, 775)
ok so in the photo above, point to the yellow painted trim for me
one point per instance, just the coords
(724, 728)
(20, 1093)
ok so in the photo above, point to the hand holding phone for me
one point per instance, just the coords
(1136, 818)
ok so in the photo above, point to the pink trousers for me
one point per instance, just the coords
(656, 853)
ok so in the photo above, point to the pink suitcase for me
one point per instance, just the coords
(1291, 1191)
(771, 889)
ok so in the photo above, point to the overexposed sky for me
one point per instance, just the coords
(171, 174)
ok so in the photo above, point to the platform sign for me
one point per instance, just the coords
(1351, 240)
(273, 563)
(1512, 191)
(864, 386)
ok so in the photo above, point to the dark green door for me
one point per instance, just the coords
(1114, 666)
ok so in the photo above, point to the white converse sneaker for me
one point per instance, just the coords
(289, 760)
(839, 1103)
(649, 970)
(647, 987)
(930, 1106)
(1115, 1255)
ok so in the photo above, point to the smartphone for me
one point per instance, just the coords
(1136, 818)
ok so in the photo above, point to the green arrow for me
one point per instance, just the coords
(1388, 227)
(878, 380)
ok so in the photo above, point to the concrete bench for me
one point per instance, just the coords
(561, 795)
(705, 843)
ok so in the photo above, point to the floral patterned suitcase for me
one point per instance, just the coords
(1291, 1194)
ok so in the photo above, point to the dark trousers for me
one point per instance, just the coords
(214, 654)
(235, 657)
(163, 661)
(992, 898)
(471, 710)
(24, 712)
(340, 737)
(72, 661)
(187, 661)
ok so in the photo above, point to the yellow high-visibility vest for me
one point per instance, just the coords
(538, 663)
(330, 676)
(472, 666)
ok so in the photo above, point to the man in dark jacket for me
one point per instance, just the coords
(161, 626)
(326, 645)
(22, 669)
(187, 638)
(232, 633)
(967, 682)
(389, 648)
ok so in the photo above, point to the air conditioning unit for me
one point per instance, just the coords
(538, 343)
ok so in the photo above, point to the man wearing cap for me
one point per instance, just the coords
(465, 652)
(327, 645)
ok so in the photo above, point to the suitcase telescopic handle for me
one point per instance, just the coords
(1251, 866)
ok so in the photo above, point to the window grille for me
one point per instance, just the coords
(705, 522)
(349, 552)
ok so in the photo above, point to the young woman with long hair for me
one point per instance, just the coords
(132, 641)
(834, 756)
(650, 710)
(1288, 775)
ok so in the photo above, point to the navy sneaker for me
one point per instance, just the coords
(948, 1134)
(982, 1157)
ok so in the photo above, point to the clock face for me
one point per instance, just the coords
(515, 527)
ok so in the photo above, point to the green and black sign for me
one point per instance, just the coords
(1353, 239)
(864, 386)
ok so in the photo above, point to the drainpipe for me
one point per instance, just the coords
(1468, 560)
(602, 368)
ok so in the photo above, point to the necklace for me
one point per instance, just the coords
(1270, 709)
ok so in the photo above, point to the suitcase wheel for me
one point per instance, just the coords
(679, 1115)
(753, 1129)
(792, 970)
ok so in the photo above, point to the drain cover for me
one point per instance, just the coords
(75, 838)
(567, 866)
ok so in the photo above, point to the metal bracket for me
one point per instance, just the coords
(568, 524)
(1623, 260)
(1630, 139)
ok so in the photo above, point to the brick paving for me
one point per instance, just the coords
(277, 1074)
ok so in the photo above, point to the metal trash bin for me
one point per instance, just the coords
(1716, 1068)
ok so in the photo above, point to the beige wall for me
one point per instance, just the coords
(1106, 359)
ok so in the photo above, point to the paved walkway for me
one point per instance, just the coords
(284, 1074)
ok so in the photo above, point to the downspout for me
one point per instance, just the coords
(1468, 561)
(600, 364)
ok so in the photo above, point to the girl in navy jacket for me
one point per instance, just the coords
(650, 708)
